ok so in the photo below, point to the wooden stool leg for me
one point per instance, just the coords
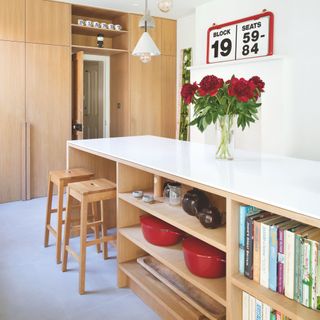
(96, 227)
(104, 231)
(59, 223)
(83, 244)
(67, 231)
(48, 213)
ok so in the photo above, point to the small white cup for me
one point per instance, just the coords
(96, 24)
(118, 27)
(81, 22)
(88, 23)
(111, 26)
(104, 25)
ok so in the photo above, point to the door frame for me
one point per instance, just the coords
(106, 90)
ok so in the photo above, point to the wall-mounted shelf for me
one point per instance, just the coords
(235, 62)
(91, 31)
(97, 51)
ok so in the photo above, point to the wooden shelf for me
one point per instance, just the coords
(180, 219)
(91, 31)
(173, 258)
(288, 307)
(152, 291)
(97, 51)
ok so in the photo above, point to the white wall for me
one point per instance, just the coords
(290, 115)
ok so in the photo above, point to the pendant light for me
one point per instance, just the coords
(165, 5)
(146, 48)
(147, 18)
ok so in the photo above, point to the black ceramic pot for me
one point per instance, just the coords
(194, 201)
(210, 217)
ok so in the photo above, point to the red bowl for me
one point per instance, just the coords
(159, 232)
(204, 260)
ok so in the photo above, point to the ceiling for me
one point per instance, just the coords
(180, 7)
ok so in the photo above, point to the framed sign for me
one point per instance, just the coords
(241, 39)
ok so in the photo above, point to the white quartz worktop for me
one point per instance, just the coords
(288, 183)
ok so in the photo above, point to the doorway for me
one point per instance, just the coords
(96, 107)
(91, 96)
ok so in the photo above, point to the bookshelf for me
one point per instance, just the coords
(136, 170)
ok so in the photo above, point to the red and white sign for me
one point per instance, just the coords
(241, 39)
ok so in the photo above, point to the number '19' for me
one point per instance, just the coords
(225, 47)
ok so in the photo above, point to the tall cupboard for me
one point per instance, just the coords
(35, 94)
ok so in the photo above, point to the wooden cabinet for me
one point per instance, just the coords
(145, 89)
(168, 96)
(153, 85)
(48, 101)
(12, 110)
(136, 32)
(48, 22)
(12, 20)
(169, 37)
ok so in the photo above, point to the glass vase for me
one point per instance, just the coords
(225, 137)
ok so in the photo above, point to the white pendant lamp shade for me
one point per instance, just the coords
(146, 48)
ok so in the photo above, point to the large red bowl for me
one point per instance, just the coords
(159, 232)
(204, 260)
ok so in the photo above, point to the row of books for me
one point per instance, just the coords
(280, 254)
(253, 309)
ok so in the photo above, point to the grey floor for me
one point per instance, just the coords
(33, 287)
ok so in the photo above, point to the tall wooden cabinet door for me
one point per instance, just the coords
(48, 22)
(119, 96)
(48, 108)
(12, 20)
(168, 96)
(169, 37)
(145, 90)
(136, 32)
(12, 117)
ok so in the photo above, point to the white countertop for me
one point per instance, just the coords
(288, 183)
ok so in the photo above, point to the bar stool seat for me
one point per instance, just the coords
(87, 192)
(60, 178)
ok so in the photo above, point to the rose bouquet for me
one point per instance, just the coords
(216, 101)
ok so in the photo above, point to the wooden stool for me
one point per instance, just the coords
(61, 179)
(87, 192)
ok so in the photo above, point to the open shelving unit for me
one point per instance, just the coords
(172, 257)
(178, 218)
(85, 38)
(226, 291)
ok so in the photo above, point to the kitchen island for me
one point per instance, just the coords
(284, 186)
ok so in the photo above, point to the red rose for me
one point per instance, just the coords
(187, 92)
(242, 89)
(258, 83)
(210, 85)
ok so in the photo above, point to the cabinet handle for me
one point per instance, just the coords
(25, 179)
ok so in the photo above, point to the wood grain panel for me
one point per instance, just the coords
(169, 37)
(145, 89)
(12, 110)
(12, 20)
(48, 110)
(119, 96)
(48, 22)
(136, 32)
(168, 96)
